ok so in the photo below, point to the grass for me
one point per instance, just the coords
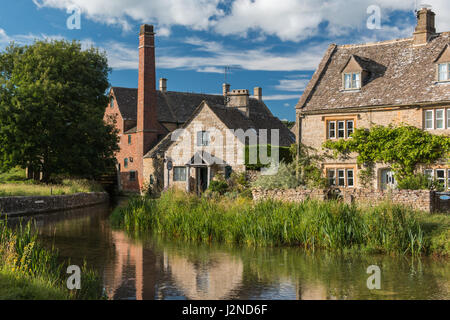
(387, 228)
(14, 183)
(30, 271)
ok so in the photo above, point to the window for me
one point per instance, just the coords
(203, 139)
(332, 130)
(132, 175)
(448, 179)
(444, 72)
(429, 119)
(341, 129)
(129, 139)
(125, 163)
(430, 174)
(352, 80)
(448, 118)
(179, 174)
(349, 128)
(111, 102)
(440, 122)
(332, 177)
(350, 178)
(440, 177)
(341, 178)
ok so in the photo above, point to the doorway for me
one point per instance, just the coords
(202, 179)
(388, 179)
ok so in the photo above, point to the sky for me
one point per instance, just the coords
(276, 45)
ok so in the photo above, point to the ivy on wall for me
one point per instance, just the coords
(403, 147)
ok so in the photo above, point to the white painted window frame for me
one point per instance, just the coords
(432, 119)
(334, 131)
(353, 178)
(443, 119)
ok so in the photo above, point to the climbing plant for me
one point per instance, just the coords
(403, 147)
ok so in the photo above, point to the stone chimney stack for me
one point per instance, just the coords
(163, 85)
(239, 99)
(426, 26)
(257, 93)
(226, 88)
(147, 117)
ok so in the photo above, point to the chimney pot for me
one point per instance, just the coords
(163, 85)
(426, 26)
(257, 93)
(226, 89)
(145, 28)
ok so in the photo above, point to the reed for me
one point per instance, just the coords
(30, 271)
(387, 228)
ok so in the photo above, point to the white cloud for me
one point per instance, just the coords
(286, 19)
(296, 85)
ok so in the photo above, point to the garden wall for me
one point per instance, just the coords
(28, 206)
(417, 199)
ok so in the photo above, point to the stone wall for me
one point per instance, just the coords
(417, 199)
(28, 206)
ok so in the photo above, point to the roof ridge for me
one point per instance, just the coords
(374, 43)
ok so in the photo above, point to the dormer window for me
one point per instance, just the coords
(352, 81)
(444, 72)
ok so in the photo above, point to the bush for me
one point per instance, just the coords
(218, 186)
(285, 178)
(284, 152)
(419, 182)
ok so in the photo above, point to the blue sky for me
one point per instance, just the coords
(273, 44)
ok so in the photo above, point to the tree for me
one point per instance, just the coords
(52, 103)
(404, 148)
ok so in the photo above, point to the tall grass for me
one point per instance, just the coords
(34, 272)
(329, 225)
(30, 188)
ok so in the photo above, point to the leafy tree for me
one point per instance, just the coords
(404, 148)
(52, 102)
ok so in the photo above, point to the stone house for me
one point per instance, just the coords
(213, 140)
(404, 81)
(145, 117)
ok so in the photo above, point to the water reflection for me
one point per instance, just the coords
(158, 269)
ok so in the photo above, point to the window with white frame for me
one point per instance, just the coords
(332, 129)
(179, 174)
(444, 72)
(437, 119)
(340, 129)
(440, 119)
(332, 177)
(429, 119)
(350, 178)
(202, 138)
(352, 81)
(341, 177)
(440, 177)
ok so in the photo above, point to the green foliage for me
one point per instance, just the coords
(32, 188)
(288, 124)
(404, 148)
(219, 186)
(284, 178)
(332, 225)
(52, 103)
(13, 175)
(308, 169)
(284, 153)
(30, 271)
(416, 182)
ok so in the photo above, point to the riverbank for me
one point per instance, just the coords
(386, 228)
(28, 271)
(30, 206)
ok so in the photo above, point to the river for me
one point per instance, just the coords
(151, 268)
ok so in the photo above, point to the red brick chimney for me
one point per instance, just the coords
(426, 27)
(147, 117)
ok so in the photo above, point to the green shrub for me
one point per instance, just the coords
(419, 182)
(284, 153)
(285, 178)
(218, 186)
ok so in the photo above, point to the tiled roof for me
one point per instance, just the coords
(399, 74)
(260, 118)
(173, 107)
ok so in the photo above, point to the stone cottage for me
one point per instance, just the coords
(145, 117)
(404, 81)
